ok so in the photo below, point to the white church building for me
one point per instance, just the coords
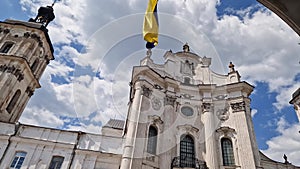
(181, 114)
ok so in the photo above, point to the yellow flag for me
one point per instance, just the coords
(150, 29)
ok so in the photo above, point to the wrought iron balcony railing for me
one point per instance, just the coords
(188, 163)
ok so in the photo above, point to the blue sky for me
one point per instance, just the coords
(263, 48)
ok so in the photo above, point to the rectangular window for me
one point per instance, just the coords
(6, 47)
(56, 162)
(18, 160)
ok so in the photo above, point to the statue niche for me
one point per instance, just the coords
(187, 68)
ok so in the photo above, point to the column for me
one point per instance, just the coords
(132, 122)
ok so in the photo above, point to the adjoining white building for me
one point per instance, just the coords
(181, 114)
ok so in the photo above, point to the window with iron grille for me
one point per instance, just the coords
(227, 152)
(56, 162)
(18, 160)
(187, 152)
(152, 140)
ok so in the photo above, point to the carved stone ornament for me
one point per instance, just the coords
(187, 128)
(26, 34)
(6, 31)
(207, 107)
(240, 106)
(154, 119)
(146, 91)
(156, 103)
(226, 131)
(169, 100)
(156, 86)
(221, 97)
(223, 114)
(187, 96)
(150, 158)
(29, 91)
(13, 70)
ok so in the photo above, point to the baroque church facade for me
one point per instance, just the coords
(181, 114)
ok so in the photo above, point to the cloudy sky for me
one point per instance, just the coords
(98, 41)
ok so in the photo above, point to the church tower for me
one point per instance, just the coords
(184, 115)
(25, 51)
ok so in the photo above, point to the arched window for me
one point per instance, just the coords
(13, 101)
(35, 65)
(152, 140)
(6, 47)
(187, 152)
(227, 152)
(56, 162)
(18, 160)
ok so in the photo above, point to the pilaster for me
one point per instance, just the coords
(210, 138)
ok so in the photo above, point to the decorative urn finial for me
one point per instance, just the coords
(186, 47)
(45, 15)
(231, 67)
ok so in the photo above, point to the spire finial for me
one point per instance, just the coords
(186, 47)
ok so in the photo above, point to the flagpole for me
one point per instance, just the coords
(149, 53)
(54, 2)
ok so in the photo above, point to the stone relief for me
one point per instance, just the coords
(221, 97)
(154, 119)
(186, 96)
(223, 114)
(226, 131)
(156, 103)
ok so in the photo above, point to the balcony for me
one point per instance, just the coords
(192, 163)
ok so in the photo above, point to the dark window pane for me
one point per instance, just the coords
(152, 140)
(6, 47)
(13, 101)
(187, 154)
(227, 152)
(56, 162)
(34, 65)
(18, 160)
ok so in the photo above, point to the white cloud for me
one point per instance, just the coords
(37, 116)
(288, 142)
(285, 95)
(254, 112)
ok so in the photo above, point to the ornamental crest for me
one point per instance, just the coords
(223, 114)
(156, 103)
